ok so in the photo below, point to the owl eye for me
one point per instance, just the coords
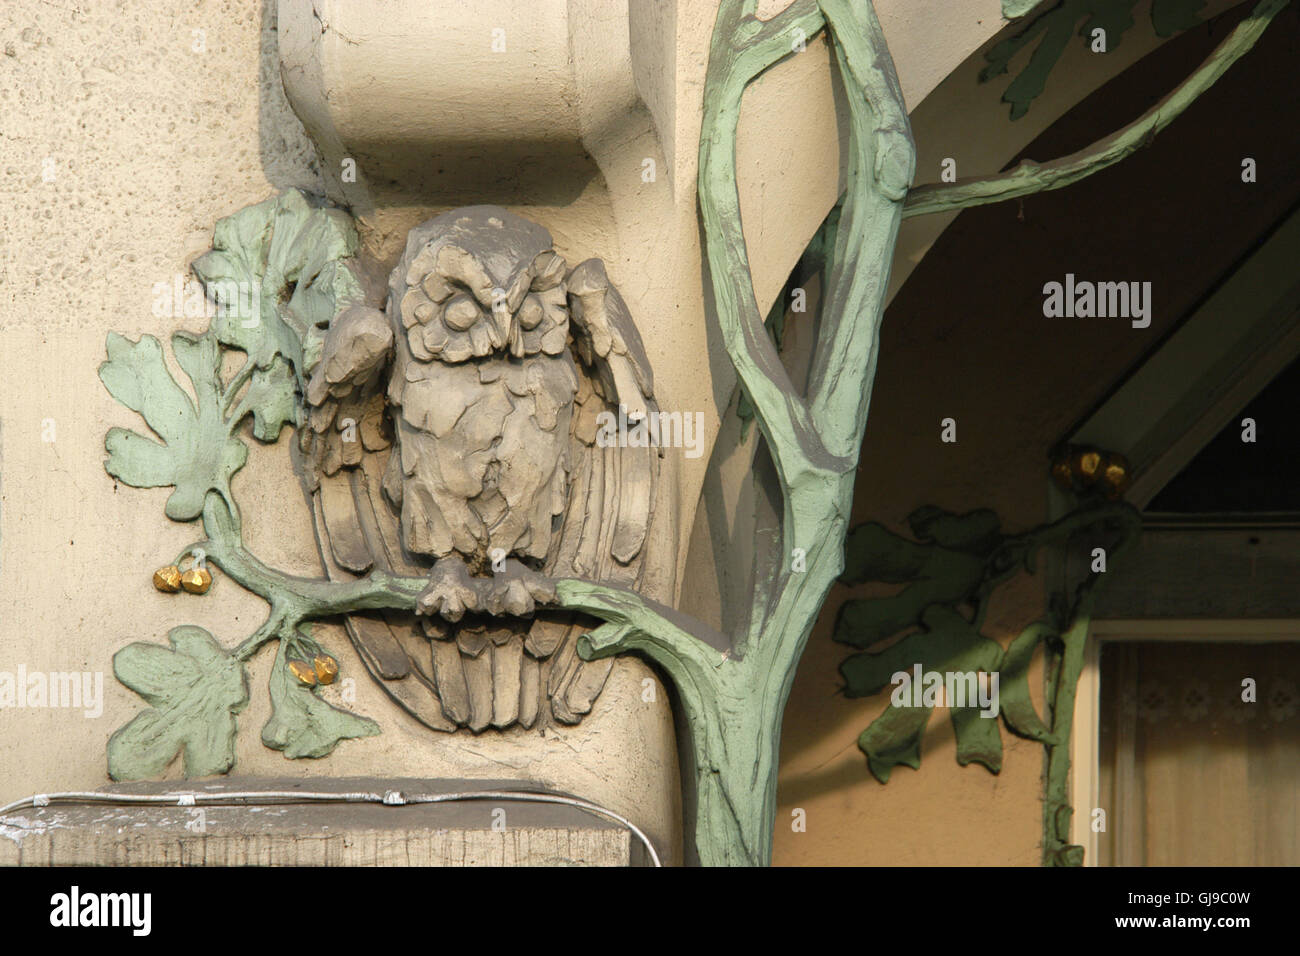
(415, 308)
(461, 313)
(530, 312)
(436, 287)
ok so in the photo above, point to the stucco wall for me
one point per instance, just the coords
(151, 142)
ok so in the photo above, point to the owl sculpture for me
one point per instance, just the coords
(453, 436)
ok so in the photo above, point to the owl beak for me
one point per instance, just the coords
(501, 321)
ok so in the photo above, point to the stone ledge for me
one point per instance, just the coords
(447, 834)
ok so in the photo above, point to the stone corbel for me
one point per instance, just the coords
(494, 101)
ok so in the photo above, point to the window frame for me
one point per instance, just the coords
(1085, 771)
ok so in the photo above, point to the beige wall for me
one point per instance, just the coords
(152, 142)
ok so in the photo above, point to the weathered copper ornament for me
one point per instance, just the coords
(168, 579)
(305, 673)
(196, 580)
(327, 668)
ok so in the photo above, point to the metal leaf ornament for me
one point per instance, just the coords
(950, 572)
(195, 690)
(442, 440)
(198, 454)
(1055, 25)
(294, 256)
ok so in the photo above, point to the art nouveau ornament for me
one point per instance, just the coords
(476, 464)
(447, 447)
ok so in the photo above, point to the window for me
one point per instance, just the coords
(1189, 772)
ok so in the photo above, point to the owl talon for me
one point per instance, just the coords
(518, 590)
(541, 588)
(450, 592)
(509, 597)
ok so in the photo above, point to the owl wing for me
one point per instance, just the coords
(345, 392)
(611, 490)
(346, 447)
(449, 676)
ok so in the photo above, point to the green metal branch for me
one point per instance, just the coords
(734, 703)
(1062, 690)
(881, 153)
(1030, 177)
(293, 599)
(743, 48)
(636, 623)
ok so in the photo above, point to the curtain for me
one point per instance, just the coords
(1190, 773)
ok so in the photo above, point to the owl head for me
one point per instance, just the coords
(479, 281)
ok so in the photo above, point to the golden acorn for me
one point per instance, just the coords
(1086, 465)
(1115, 476)
(305, 673)
(196, 580)
(168, 579)
(327, 668)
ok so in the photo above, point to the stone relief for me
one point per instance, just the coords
(459, 428)
(447, 447)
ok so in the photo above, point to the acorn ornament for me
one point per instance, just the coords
(196, 580)
(326, 667)
(1086, 464)
(1084, 468)
(1115, 476)
(305, 673)
(1062, 473)
(168, 579)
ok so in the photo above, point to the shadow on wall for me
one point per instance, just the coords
(289, 159)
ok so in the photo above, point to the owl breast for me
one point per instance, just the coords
(482, 454)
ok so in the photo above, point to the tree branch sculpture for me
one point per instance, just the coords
(1030, 177)
(734, 701)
